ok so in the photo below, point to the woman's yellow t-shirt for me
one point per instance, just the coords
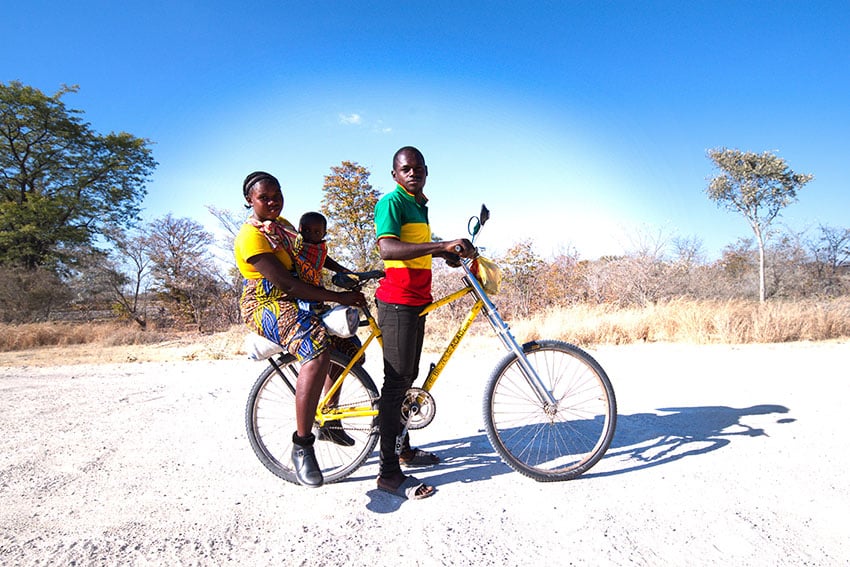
(249, 243)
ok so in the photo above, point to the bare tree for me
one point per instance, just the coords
(831, 251)
(641, 276)
(686, 268)
(126, 273)
(183, 270)
(523, 279)
(228, 220)
(787, 259)
(596, 277)
(736, 269)
(562, 278)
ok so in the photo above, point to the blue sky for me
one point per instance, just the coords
(579, 124)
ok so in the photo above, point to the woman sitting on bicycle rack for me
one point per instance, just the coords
(269, 306)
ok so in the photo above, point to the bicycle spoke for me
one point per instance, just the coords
(551, 443)
(270, 421)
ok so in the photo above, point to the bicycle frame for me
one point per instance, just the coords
(325, 412)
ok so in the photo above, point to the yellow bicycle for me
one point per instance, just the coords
(549, 407)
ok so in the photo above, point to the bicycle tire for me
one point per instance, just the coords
(560, 443)
(270, 420)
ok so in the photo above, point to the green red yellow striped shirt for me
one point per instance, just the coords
(407, 282)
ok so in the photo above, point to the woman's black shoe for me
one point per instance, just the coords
(332, 431)
(306, 467)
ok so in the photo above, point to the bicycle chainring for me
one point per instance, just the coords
(418, 408)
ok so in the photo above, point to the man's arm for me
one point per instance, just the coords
(392, 248)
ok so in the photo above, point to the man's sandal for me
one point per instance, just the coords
(410, 489)
(419, 458)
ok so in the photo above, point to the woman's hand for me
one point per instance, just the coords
(354, 298)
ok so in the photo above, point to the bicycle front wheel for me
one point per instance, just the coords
(549, 443)
(270, 420)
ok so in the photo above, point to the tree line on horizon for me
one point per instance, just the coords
(72, 244)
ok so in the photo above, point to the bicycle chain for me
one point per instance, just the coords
(348, 425)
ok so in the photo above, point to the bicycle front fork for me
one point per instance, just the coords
(509, 341)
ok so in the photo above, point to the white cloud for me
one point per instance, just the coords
(350, 119)
(357, 120)
(380, 128)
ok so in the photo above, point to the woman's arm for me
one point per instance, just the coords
(335, 266)
(271, 269)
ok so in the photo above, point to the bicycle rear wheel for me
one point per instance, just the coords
(550, 443)
(270, 420)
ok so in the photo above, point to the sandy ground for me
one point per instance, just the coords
(724, 455)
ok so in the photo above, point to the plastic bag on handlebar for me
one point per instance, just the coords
(342, 321)
(488, 273)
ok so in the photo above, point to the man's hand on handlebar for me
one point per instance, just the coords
(461, 247)
(452, 260)
(455, 250)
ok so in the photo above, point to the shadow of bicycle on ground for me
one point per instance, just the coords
(640, 441)
(647, 440)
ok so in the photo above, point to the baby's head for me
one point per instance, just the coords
(313, 227)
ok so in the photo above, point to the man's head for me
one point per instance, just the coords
(409, 169)
(313, 227)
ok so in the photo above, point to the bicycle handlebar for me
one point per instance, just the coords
(353, 280)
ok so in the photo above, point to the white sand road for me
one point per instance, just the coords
(724, 455)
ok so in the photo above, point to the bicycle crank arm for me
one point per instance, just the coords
(399, 441)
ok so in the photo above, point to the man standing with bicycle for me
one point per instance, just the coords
(404, 242)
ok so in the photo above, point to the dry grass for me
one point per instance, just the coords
(698, 322)
(35, 335)
(43, 344)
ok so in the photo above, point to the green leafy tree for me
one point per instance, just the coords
(349, 204)
(758, 186)
(61, 183)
